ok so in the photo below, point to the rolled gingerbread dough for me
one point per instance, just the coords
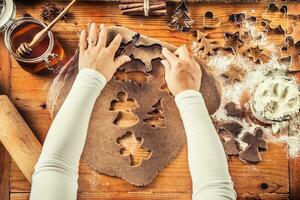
(103, 150)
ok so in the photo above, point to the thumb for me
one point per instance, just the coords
(166, 64)
(121, 60)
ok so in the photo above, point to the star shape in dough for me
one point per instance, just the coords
(234, 73)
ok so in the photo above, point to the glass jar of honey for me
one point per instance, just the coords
(46, 56)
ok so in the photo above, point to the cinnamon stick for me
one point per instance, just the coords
(136, 7)
(152, 13)
(141, 1)
(141, 9)
(133, 5)
(131, 1)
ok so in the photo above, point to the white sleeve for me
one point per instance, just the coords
(56, 172)
(207, 160)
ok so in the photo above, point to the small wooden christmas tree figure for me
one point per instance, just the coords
(181, 20)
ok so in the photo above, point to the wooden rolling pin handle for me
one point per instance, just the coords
(17, 138)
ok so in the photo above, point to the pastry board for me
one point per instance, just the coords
(274, 178)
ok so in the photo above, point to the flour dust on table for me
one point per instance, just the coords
(258, 92)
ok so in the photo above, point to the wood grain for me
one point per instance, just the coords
(4, 68)
(151, 196)
(4, 89)
(29, 92)
(295, 178)
(14, 132)
(4, 173)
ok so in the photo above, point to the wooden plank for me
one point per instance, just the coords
(4, 174)
(273, 172)
(4, 68)
(150, 196)
(116, 196)
(295, 178)
(4, 89)
(17, 138)
(29, 92)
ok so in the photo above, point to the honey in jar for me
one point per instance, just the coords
(46, 56)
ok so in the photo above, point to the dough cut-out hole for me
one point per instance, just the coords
(137, 77)
(156, 118)
(126, 119)
(131, 146)
(124, 106)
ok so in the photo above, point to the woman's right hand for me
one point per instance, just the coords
(182, 72)
(94, 53)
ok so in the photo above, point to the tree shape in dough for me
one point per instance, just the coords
(131, 146)
(156, 118)
(123, 105)
(164, 87)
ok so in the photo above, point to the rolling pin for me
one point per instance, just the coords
(17, 138)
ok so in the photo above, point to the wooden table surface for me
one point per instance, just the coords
(277, 177)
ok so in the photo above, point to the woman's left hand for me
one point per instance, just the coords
(94, 54)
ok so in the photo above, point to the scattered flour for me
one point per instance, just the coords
(294, 144)
(256, 73)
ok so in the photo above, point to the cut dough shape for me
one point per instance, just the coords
(123, 106)
(233, 42)
(255, 144)
(156, 117)
(102, 152)
(231, 146)
(259, 55)
(131, 146)
(234, 73)
(233, 110)
(232, 127)
(290, 52)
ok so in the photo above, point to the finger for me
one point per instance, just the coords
(102, 36)
(171, 57)
(82, 41)
(183, 52)
(121, 60)
(115, 44)
(166, 64)
(196, 64)
(93, 35)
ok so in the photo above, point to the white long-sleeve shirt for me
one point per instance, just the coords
(56, 172)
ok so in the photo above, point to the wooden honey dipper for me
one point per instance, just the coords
(26, 48)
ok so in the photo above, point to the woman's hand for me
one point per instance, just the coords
(182, 72)
(95, 55)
